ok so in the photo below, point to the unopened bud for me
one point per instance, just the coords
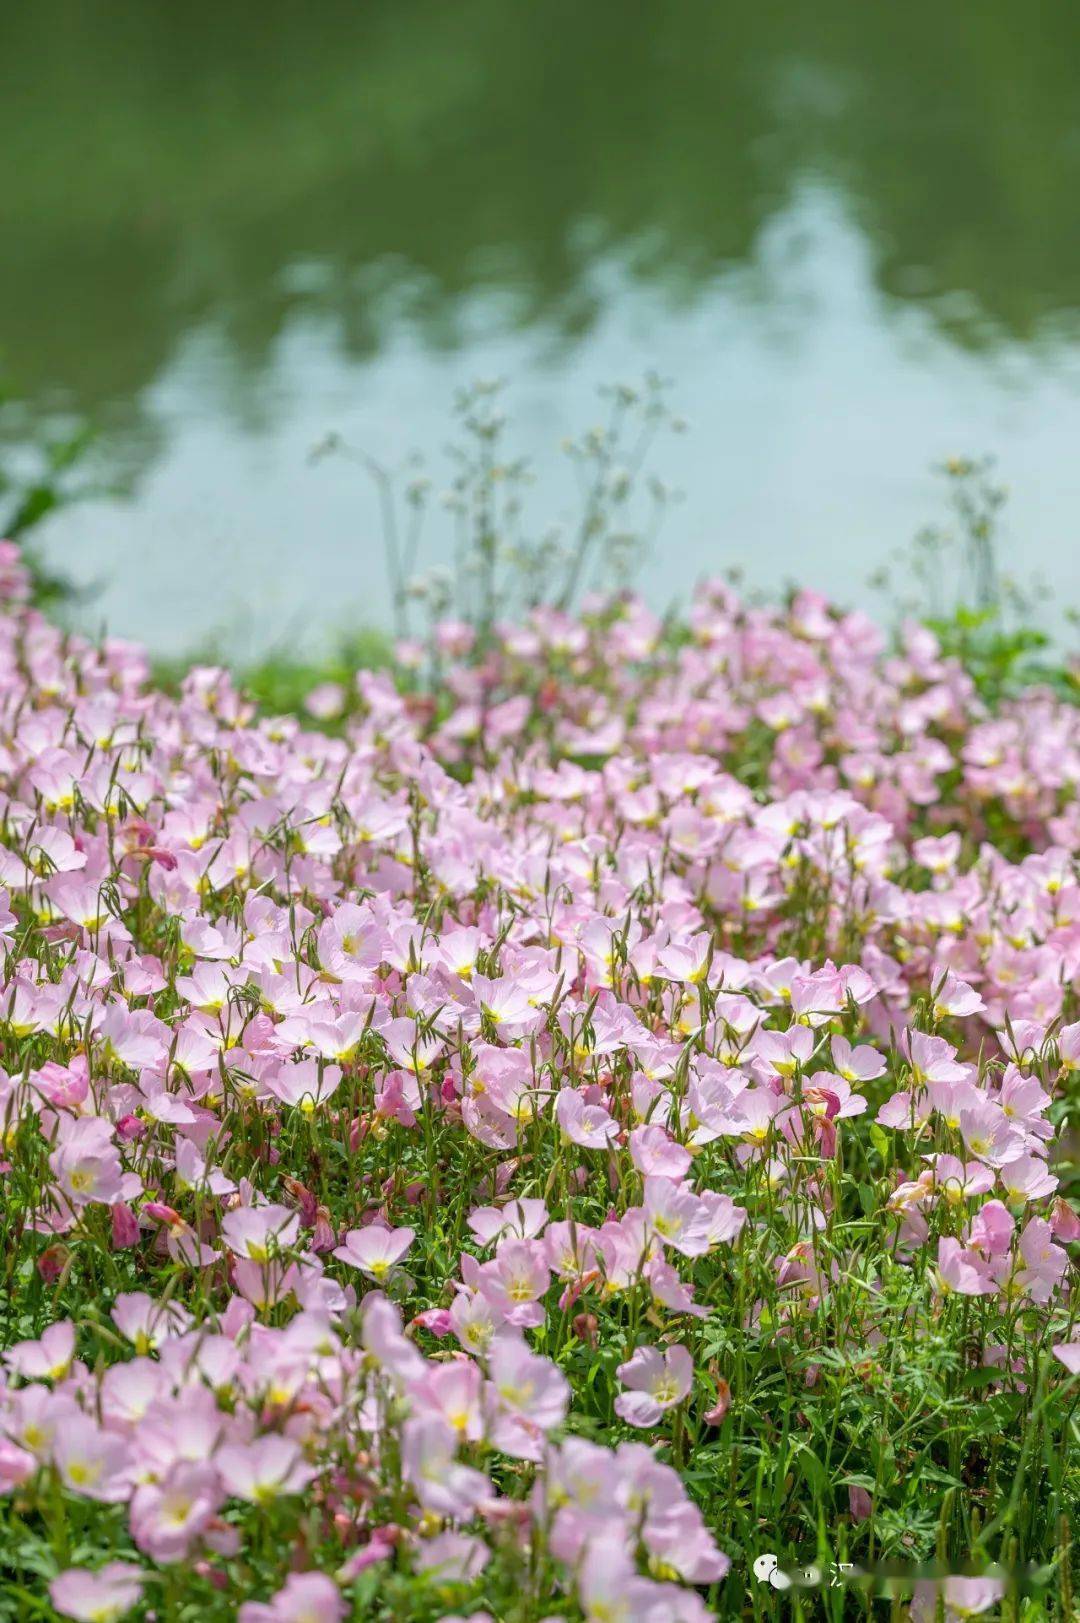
(715, 1416)
(587, 1328)
(52, 1262)
(125, 1226)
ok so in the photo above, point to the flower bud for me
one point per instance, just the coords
(52, 1262)
(125, 1226)
(586, 1328)
(715, 1416)
(324, 1238)
(1064, 1222)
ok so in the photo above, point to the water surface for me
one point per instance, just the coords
(848, 233)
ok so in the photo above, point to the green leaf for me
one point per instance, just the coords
(36, 503)
(813, 1470)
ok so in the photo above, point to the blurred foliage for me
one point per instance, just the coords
(951, 579)
(495, 565)
(281, 683)
(1003, 660)
(950, 573)
(42, 471)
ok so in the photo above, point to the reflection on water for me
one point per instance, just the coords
(848, 233)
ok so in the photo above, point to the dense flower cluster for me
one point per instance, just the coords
(431, 1146)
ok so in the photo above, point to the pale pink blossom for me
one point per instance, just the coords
(97, 1597)
(656, 1381)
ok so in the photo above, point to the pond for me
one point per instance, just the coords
(849, 234)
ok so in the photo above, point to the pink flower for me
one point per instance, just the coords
(33, 1416)
(991, 1229)
(939, 855)
(437, 1320)
(609, 1587)
(428, 1449)
(476, 1319)
(657, 1381)
(957, 1181)
(259, 1233)
(723, 1219)
(964, 1598)
(1026, 1178)
(522, 1218)
(956, 998)
(305, 1597)
(1068, 1353)
(589, 1125)
(988, 1132)
(134, 1036)
(386, 1343)
(677, 1216)
(92, 1462)
(906, 1111)
(148, 1324)
(49, 1358)
(570, 1249)
(167, 1516)
(453, 1557)
(16, 1465)
(97, 1597)
(668, 1289)
(454, 1391)
(655, 1153)
(64, 1086)
(86, 1163)
(506, 1004)
(962, 1271)
(861, 1064)
(515, 1280)
(375, 1250)
(263, 1470)
(933, 1059)
(526, 1384)
(307, 1084)
(325, 701)
(1042, 1262)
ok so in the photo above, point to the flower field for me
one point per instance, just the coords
(544, 1140)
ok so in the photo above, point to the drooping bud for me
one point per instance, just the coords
(587, 1328)
(305, 1201)
(1064, 1222)
(435, 1319)
(715, 1416)
(125, 1226)
(52, 1262)
(324, 1238)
